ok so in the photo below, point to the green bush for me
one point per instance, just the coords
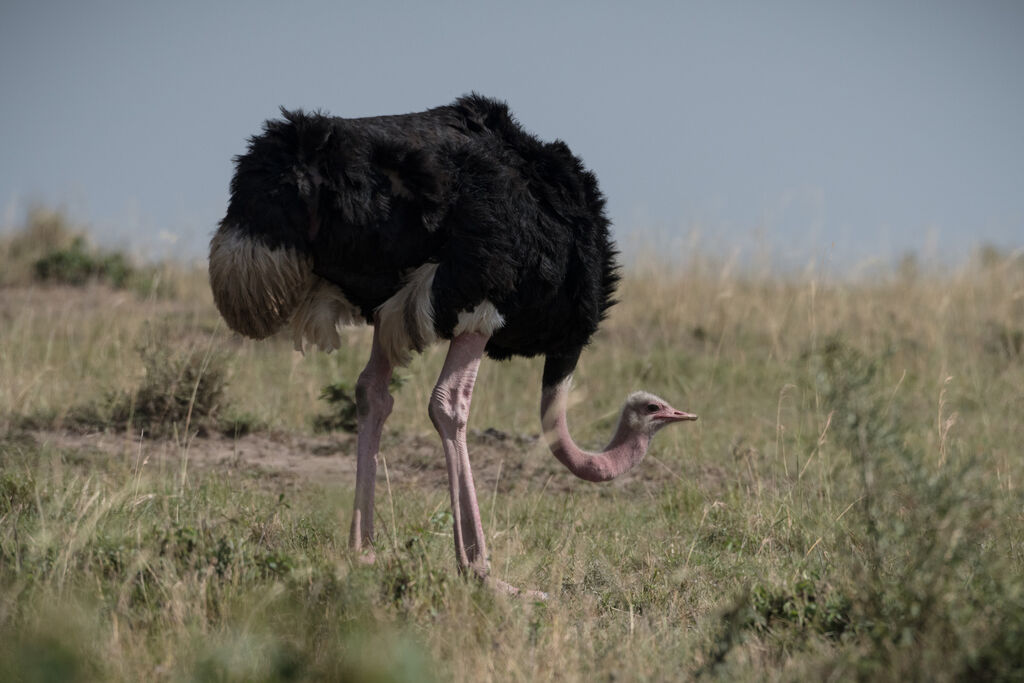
(77, 265)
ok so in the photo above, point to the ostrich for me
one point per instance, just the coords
(453, 223)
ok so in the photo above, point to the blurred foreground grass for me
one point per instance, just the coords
(848, 506)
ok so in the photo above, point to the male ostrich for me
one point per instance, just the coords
(453, 223)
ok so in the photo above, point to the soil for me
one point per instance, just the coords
(410, 460)
(503, 462)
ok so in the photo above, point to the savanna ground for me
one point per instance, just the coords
(175, 501)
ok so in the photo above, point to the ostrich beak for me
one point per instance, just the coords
(669, 415)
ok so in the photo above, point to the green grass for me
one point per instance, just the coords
(848, 506)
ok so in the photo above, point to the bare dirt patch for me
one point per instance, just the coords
(309, 457)
(501, 462)
(411, 460)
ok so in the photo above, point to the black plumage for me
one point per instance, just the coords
(507, 217)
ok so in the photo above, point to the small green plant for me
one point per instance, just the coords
(807, 605)
(848, 381)
(340, 397)
(787, 615)
(16, 491)
(236, 425)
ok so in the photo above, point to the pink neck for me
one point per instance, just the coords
(626, 449)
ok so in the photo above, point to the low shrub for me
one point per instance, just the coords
(182, 389)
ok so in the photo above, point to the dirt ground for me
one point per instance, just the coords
(501, 461)
(324, 458)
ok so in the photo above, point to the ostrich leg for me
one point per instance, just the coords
(449, 411)
(373, 405)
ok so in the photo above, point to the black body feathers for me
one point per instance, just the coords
(508, 218)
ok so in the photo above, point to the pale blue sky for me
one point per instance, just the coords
(829, 131)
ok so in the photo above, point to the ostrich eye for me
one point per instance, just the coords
(652, 407)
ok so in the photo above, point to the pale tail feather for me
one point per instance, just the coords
(256, 288)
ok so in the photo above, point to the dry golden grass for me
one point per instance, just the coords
(848, 505)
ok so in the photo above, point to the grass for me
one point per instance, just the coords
(848, 506)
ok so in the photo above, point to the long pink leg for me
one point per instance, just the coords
(449, 411)
(373, 405)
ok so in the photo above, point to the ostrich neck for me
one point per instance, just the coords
(626, 448)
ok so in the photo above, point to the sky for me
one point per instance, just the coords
(814, 132)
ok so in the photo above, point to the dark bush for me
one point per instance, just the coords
(77, 264)
(182, 389)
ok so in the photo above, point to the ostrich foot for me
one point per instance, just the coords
(508, 589)
(366, 557)
(504, 588)
(360, 537)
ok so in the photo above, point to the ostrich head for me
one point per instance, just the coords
(645, 414)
